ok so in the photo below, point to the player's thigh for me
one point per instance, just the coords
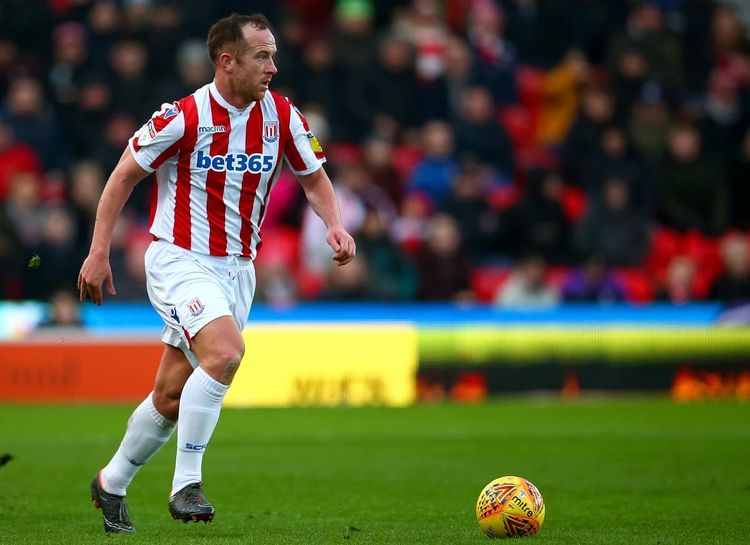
(187, 294)
(219, 347)
(174, 370)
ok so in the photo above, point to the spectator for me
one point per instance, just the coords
(63, 311)
(15, 157)
(442, 265)
(86, 185)
(739, 188)
(630, 72)
(10, 257)
(131, 277)
(479, 134)
(539, 31)
(112, 139)
(692, 192)
(493, 55)
(193, 71)
(679, 285)
(467, 204)
(733, 285)
(592, 283)
(560, 97)
(94, 111)
(24, 211)
(526, 286)
(616, 158)
(378, 161)
(347, 283)
(645, 31)
(392, 275)
(276, 284)
(70, 56)
(597, 112)
(385, 92)
(409, 229)
(35, 123)
(649, 122)
(132, 90)
(434, 174)
(723, 122)
(322, 79)
(538, 224)
(352, 39)
(612, 228)
(58, 253)
(315, 251)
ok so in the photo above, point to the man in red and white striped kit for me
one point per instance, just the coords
(215, 156)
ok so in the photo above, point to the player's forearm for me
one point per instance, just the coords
(322, 198)
(113, 198)
(120, 185)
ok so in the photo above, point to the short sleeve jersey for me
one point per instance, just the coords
(215, 166)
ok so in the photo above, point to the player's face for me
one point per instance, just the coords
(255, 66)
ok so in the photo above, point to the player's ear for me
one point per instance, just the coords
(226, 62)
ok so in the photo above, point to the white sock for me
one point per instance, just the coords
(200, 406)
(147, 432)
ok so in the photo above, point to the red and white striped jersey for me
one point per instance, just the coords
(215, 166)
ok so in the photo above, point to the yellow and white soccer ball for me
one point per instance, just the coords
(510, 507)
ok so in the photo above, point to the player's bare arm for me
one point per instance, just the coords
(96, 271)
(319, 192)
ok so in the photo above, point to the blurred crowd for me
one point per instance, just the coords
(522, 152)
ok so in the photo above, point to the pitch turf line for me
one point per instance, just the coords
(626, 471)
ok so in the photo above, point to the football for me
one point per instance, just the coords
(510, 507)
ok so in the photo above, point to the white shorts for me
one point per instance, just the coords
(189, 290)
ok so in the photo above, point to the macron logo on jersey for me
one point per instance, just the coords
(234, 162)
(212, 129)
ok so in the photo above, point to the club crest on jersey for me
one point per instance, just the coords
(195, 307)
(270, 131)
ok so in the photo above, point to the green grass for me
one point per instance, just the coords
(611, 472)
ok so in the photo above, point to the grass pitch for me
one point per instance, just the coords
(611, 472)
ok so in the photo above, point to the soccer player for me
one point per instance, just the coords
(216, 155)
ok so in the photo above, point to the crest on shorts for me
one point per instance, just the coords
(270, 131)
(195, 307)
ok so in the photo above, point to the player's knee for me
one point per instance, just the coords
(224, 362)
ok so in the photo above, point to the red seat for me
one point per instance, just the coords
(637, 283)
(530, 85)
(520, 125)
(486, 281)
(280, 245)
(573, 202)
(665, 245)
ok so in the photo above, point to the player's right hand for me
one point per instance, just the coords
(95, 272)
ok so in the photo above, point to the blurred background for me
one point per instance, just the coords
(576, 165)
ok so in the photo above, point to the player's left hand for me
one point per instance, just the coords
(343, 245)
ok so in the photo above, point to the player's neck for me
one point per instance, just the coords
(227, 92)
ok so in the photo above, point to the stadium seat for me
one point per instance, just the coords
(574, 203)
(280, 245)
(405, 158)
(637, 283)
(530, 85)
(486, 281)
(665, 244)
(520, 125)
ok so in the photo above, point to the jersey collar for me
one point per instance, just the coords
(220, 99)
